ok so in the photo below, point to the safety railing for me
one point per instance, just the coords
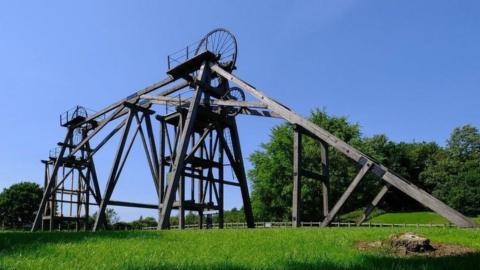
(77, 112)
(176, 58)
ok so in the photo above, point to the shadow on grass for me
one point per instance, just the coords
(370, 262)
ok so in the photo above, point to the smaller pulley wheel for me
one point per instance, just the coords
(235, 94)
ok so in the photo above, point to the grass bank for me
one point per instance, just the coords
(401, 218)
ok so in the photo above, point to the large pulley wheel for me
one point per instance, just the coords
(235, 94)
(223, 44)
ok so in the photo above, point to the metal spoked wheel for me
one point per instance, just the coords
(235, 94)
(78, 133)
(223, 44)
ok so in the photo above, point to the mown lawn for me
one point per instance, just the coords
(331, 248)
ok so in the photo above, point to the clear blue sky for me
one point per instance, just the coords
(409, 69)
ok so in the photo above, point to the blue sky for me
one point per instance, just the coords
(409, 69)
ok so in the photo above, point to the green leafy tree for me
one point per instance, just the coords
(111, 217)
(454, 173)
(143, 222)
(407, 160)
(19, 203)
(233, 216)
(272, 173)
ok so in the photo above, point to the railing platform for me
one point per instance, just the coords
(192, 64)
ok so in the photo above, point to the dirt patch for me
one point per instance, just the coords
(392, 247)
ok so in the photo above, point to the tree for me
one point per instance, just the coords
(111, 217)
(455, 172)
(18, 204)
(143, 223)
(272, 173)
(407, 160)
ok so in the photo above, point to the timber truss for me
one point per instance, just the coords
(188, 148)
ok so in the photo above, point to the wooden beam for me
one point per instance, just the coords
(134, 97)
(113, 174)
(214, 102)
(324, 158)
(297, 178)
(346, 194)
(151, 154)
(373, 204)
(262, 113)
(95, 131)
(429, 201)
(359, 157)
(311, 175)
(236, 161)
(181, 150)
(51, 182)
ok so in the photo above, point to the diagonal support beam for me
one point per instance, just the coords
(242, 177)
(151, 155)
(373, 204)
(236, 161)
(428, 200)
(107, 138)
(153, 146)
(398, 182)
(113, 174)
(135, 96)
(199, 143)
(95, 131)
(346, 194)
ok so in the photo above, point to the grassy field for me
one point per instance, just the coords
(414, 218)
(402, 218)
(331, 248)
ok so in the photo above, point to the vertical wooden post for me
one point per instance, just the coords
(51, 184)
(203, 153)
(161, 172)
(220, 185)
(297, 186)
(326, 176)
(87, 200)
(53, 206)
(79, 201)
(181, 205)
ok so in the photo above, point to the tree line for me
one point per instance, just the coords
(451, 173)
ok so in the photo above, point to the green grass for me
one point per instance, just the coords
(379, 216)
(412, 218)
(354, 216)
(331, 248)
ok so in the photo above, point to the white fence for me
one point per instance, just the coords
(242, 225)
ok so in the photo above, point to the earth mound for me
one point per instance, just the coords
(411, 244)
